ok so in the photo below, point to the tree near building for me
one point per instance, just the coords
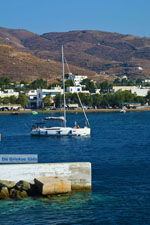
(89, 85)
(128, 96)
(97, 100)
(55, 84)
(12, 99)
(86, 99)
(140, 99)
(22, 100)
(58, 100)
(39, 83)
(105, 86)
(24, 82)
(4, 81)
(48, 101)
(69, 83)
(6, 100)
(117, 82)
(116, 99)
(139, 81)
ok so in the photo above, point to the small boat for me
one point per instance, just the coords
(123, 110)
(34, 113)
(38, 130)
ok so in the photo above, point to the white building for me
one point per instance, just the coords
(42, 93)
(8, 93)
(97, 91)
(32, 98)
(77, 79)
(31, 93)
(139, 91)
(146, 81)
(76, 89)
(50, 92)
(123, 88)
(35, 97)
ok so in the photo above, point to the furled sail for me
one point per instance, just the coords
(60, 118)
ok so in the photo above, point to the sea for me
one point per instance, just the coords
(119, 150)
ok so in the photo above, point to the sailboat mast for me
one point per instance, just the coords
(63, 74)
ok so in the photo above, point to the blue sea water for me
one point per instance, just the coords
(119, 150)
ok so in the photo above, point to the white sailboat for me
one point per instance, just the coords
(62, 130)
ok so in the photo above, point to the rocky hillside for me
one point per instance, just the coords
(21, 65)
(98, 54)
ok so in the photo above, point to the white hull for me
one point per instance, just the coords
(123, 111)
(61, 131)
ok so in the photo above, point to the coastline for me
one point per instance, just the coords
(77, 111)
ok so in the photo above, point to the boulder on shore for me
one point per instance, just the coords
(23, 185)
(18, 194)
(6, 183)
(52, 185)
(4, 193)
(41, 186)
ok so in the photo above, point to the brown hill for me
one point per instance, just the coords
(93, 51)
(14, 37)
(24, 66)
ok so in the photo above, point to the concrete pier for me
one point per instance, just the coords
(79, 173)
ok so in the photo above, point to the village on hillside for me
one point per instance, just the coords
(40, 95)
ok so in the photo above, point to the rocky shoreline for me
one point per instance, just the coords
(18, 181)
(43, 186)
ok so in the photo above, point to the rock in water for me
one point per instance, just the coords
(52, 185)
(4, 193)
(23, 185)
(16, 194)
(6, 183)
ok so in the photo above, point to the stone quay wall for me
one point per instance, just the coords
(78, 173)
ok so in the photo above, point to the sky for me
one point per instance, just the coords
(43, 16)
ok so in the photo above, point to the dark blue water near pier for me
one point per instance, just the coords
(119, 150)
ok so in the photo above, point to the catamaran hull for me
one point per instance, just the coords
(63, 131)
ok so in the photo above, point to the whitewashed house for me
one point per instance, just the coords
(32, 99)
(8, 93)
(123, 88)
(139, 91)
(146, 81)
(77, 79)
(74, 89)
(97, 91)
(42, 93)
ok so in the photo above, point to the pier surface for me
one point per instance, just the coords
(79, 173)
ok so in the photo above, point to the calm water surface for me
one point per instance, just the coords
(119, 150)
